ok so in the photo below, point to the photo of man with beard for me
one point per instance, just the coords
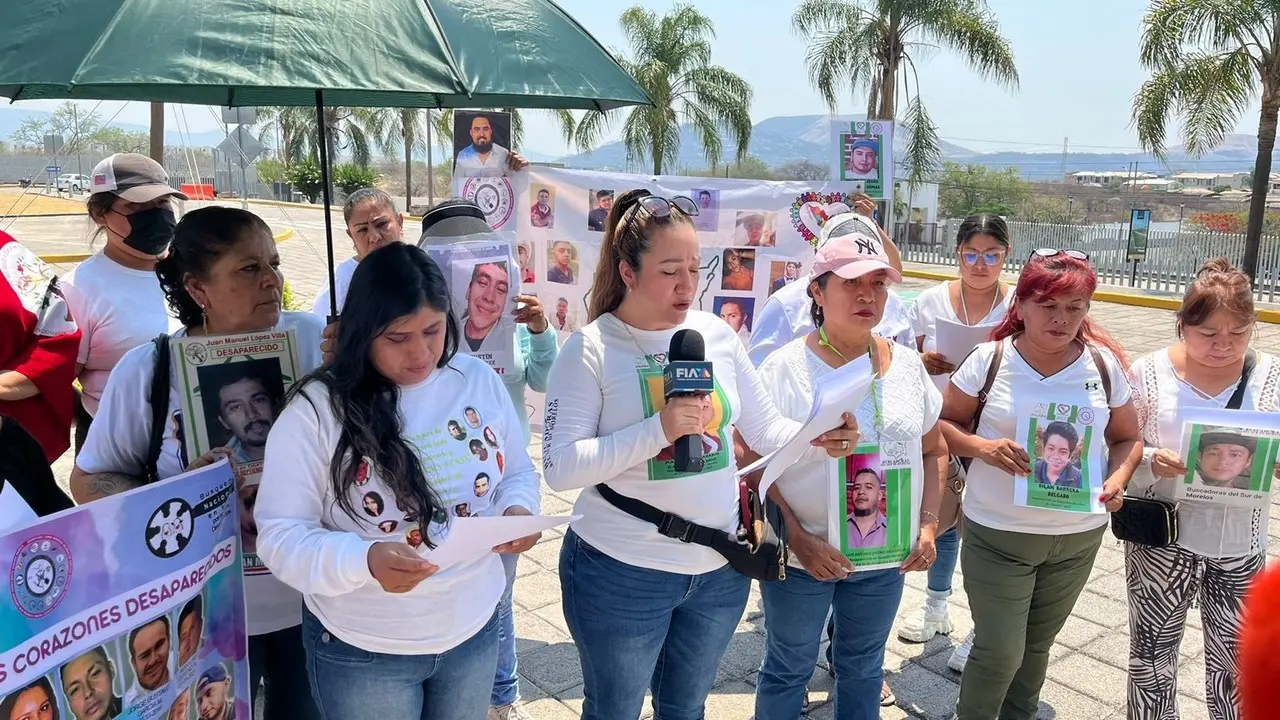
(150, 652)
(241, 400)
(486, 299)
(480, 143)
(88, 682)
(867, 525)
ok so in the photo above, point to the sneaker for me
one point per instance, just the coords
(960, 656)
(930, 620)
(514, 711)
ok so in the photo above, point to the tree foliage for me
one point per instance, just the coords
(351, 177)
(802, 170)
(964, 190)
(304, 176)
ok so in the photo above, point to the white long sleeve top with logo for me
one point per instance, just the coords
(314, 545)
(603, 426)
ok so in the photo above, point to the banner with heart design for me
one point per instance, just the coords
(812, 210)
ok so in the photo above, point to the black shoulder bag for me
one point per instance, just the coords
(1153, 522)
(159, 398)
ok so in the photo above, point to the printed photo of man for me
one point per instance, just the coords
(790, 273)
(602, 203)
(181, 707)
(867, 526)
(708, 209)
(1054, 466)
(754, 229)
(525, 257)
(214, 700)
(561, 270)
(190, 629)
(150, 651)
(88, 682)
(563, 319)
(485, 300)
(862, 159)
(737, 313)
(1225, 458)
(485, 151)
(542, 215)
(241, 400)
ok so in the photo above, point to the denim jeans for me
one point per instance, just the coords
(354, 684)
(944, 566)
(506, 684)
(278, 668)
(638, 629)
(795, 610)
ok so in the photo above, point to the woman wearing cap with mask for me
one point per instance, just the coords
(849, 286)
(114, 296)
(1220, 549)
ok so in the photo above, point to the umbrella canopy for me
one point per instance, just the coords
(362, 53)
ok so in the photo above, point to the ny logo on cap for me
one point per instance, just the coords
(866, 246)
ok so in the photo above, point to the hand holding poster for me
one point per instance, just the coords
(484, 280)
(875, 498)
(130, 606)
(1067, 467)
(1230, 457)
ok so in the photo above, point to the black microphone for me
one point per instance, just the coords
(687, 374)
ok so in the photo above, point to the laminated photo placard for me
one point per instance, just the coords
(875, 504)
(484, 281)
(1064, 442)
(1230, 457)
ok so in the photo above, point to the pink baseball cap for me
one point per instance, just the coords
(851, 254)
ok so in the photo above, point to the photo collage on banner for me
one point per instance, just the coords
(875, 497)
(862, 152)
(1067, 467)
(129, 607)
(1230, 457)
(484, 280)
(232, 391)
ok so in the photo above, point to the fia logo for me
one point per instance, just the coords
(685, 373)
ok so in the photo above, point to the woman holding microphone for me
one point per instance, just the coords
(388, 633)
(646, 610)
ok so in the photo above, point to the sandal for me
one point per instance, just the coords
(887, 698)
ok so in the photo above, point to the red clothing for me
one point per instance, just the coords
(39, 339)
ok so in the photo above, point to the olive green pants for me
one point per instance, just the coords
(1021, 589)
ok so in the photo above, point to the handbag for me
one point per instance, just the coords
(758, 550)
(950, 510)
(1154, 522)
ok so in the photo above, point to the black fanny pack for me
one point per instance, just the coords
(758, 550)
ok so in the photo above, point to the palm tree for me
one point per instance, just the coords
(402, 129)
(1208, 61)
(671, 59)
(290, 126)
(863, 45)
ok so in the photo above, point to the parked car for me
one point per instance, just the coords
(73, 183)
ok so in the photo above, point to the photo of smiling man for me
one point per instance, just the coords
(862, 158)
(150, 649)
(89, 684)
(1057, 463)
(488, 295)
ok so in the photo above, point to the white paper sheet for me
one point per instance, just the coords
(956, 340)
(471, 538)
(839, 392)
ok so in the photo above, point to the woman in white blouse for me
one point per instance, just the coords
(1027, 554)
(1220, 548)
(849, 285)
(647, 608)
(363, 479)
(977, 298)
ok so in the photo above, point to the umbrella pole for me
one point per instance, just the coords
(327, 198)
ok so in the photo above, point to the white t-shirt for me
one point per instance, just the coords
(121, 431)
(313, 544)
(117, 309)
(1160, 396)
(988, 495)
(935, 303)
(602, 426)
(469, 161)
(342, 276)
(909, 404)
(785, 317)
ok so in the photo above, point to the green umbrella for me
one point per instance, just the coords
(362, 53)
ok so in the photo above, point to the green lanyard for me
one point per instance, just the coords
(871, 353)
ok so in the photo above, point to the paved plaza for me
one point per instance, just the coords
(1087, 669)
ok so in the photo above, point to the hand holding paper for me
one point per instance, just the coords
(519, 545)
(471, 538)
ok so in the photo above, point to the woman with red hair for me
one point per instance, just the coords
(1024, 567)
(38, 346)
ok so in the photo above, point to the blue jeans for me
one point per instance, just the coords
(278, 667)
(795, 610)
(354, 684)
(638, 629)
(506, 684)
(944, 566)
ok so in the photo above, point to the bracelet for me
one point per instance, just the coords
(936, 520)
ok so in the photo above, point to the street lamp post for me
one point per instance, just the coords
(1071, 218)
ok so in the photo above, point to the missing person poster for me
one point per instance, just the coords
(1230, 457)
(481, 143)
(876, 495)
(232, 389)
(1067, 467)
(128, 607)
(862, 152)
(484, 281)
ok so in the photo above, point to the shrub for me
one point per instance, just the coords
(305, 178)
(353, 177)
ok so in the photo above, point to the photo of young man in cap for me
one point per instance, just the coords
(1224, 458)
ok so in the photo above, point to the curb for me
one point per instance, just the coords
(1111, 296)
(44, 215)
(81, 257)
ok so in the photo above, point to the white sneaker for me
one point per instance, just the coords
(960, 656)
(513, 711)
(930, 620)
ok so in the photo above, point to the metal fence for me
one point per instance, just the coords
(1173, 257)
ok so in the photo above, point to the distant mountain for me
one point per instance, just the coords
(11, 118)
(779, 140)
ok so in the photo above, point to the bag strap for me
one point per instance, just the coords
(159, 397)
(1101, 366)
(1237, 398)
(987, 384)
(668, 524)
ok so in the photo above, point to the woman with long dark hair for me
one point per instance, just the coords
(387, 631)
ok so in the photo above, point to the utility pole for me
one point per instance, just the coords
(157, 132)
(1063, 172)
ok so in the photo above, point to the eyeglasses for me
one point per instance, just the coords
(660, 207)
(1050, 252)
(989, 258)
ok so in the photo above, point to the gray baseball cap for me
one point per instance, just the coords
(133, 177)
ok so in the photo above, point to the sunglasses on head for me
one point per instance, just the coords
(660, 207)
(1050, 252)
(989, 258)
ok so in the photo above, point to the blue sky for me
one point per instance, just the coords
(1078, 62)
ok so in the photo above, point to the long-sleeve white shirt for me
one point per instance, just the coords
(603, 426)
(312, 544)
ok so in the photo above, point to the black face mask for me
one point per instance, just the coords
(151, 230)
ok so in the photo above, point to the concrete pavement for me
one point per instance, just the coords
(1087, 669)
